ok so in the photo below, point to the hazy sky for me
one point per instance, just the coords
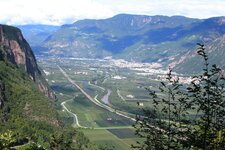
(16, 12)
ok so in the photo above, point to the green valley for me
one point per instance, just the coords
(105, 122)
(127, 78)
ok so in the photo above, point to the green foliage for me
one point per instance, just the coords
(26, 111)
(169, 125)
(31, 146)
(30, 117)
(163, 127)
(6, 140)
(59, 142)
(207, 91)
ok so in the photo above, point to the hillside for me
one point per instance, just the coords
(24, 109)
(17, 51)
(213, 35)
(133, 37)
(140, 38)
(27, 105)
(36, 35)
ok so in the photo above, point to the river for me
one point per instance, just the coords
(105, 98)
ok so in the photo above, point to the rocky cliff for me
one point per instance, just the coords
(14, 48)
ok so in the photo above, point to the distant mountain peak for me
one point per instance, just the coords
(134, 37)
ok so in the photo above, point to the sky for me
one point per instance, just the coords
(58, 12)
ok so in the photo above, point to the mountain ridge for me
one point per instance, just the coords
(100, 38)
(141, 38)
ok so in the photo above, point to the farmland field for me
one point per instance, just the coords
(92, 116)
(100, 96)
(109, 139)
(124, 133)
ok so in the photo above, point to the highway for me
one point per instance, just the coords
(94, 100)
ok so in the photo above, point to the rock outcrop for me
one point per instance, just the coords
(14, 48)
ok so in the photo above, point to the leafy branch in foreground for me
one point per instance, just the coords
(164, 125)
(207, 92)
(169, 124)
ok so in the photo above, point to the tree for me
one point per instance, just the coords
(60, 142)
(168, 124)
(6, 140)
(163, 126)
(208, 99)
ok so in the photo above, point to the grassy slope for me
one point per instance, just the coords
(26, 111)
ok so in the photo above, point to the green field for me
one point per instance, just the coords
(123, 133)
(97, 77)
(93, 116)
(106, 138)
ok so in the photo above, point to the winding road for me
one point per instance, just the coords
(76, 121)
(98, 103)
(94, 100)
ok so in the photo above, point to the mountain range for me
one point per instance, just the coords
(166, 40)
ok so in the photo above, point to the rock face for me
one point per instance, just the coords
(14, 48)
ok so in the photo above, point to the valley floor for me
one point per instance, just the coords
(99, 97)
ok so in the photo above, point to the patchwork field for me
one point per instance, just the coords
(93, 116)
(80, 85)
(109, 137)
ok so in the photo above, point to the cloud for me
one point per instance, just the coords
(50, 11)
(189, 8)
(67, 11)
